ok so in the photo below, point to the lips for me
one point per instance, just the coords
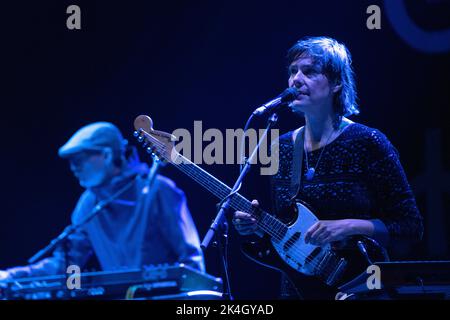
(301, 92)
(301, 95)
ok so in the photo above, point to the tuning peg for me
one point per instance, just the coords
(140, 138)
(136, 134)
(149, 150)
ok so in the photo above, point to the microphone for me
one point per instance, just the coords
(288, 95)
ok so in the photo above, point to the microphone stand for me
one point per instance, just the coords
(146, 191)
(219, 227)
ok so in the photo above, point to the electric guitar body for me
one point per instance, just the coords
(313, 272)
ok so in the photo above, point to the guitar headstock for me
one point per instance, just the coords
(157, 143)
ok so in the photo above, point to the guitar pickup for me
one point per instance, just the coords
(292, 240)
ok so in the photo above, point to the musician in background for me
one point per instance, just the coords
(140, 227)
(352, 177)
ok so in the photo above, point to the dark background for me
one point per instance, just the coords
(213, 61)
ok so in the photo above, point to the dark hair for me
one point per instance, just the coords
(335, 61)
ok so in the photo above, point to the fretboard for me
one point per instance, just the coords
(268, 223)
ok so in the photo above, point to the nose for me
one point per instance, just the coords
(298, 80)
(297, 84)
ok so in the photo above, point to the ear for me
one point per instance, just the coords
(337, 87)
(108, 154)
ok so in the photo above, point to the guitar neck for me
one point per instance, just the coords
(266, 222)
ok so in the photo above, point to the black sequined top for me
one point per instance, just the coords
(359, 176)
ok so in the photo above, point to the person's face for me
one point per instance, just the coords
(316, 92)
(91, 168)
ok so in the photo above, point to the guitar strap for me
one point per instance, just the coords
(297, 161)
(288, 288)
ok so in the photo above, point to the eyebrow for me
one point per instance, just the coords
(305, 66)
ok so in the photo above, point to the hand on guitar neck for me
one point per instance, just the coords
(245, 223)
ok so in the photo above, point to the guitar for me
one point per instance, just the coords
(283, 247)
